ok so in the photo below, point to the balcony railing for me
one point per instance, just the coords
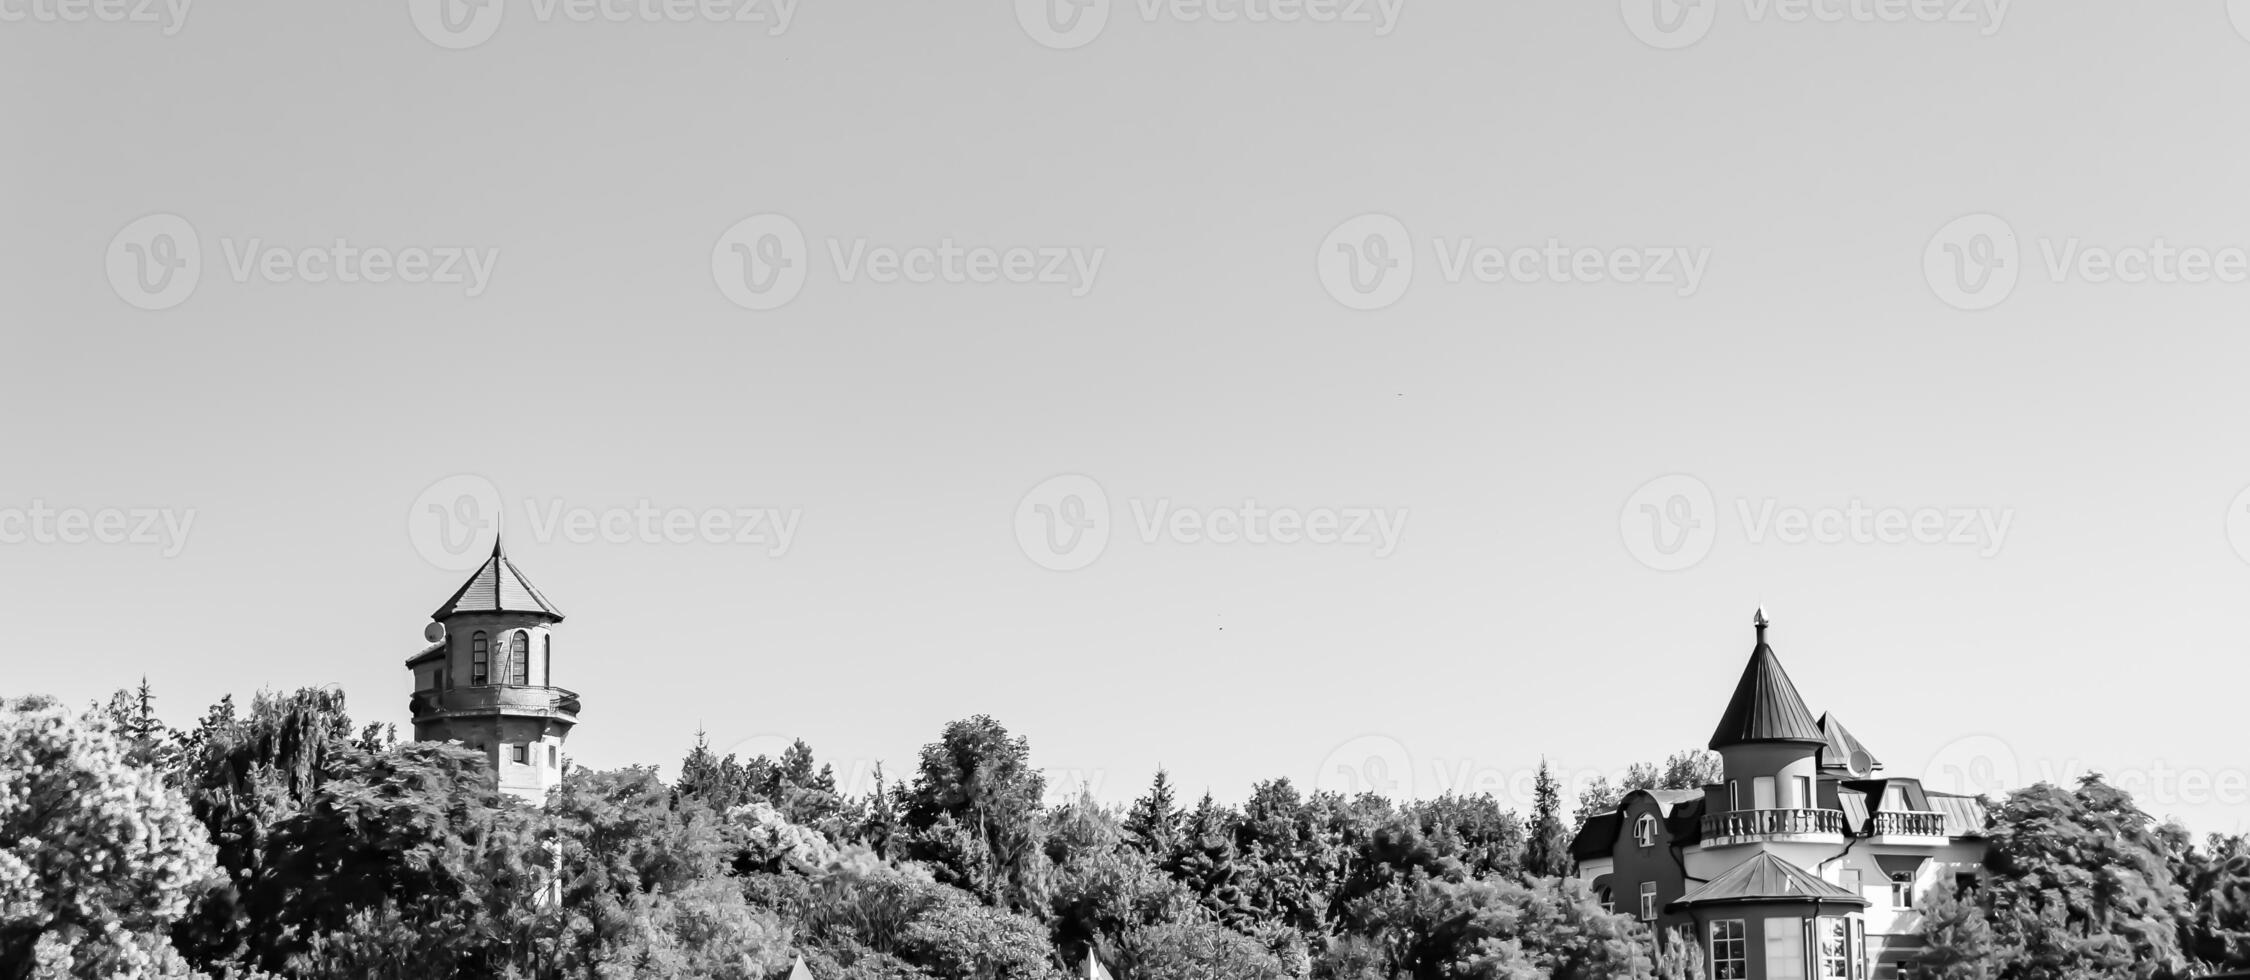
(484, 699)
(1910, 824)
(1772, 823)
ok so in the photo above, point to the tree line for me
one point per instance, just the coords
(278, 839)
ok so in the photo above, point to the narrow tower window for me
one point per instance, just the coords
(547, 659)
(480, 658)
(519, 658)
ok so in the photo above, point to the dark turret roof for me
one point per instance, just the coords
(1766, 707)
(498, 586)
(1843, 747)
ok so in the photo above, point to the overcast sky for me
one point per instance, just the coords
(1823, 315)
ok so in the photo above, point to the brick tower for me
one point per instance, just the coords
(487, 678)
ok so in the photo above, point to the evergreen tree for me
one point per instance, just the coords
(1153, 824)
(1547, 851)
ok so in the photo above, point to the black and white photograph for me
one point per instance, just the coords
(1124, 490)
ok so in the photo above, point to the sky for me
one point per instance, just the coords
(1379, 397)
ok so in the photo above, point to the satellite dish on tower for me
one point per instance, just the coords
(434, 633)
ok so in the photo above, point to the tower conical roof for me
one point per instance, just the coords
(498, 586)
(1766, 707)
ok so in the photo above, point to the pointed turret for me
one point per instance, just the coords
(1765, 707)
(487, 679)
(498, 586)
(1842, 753)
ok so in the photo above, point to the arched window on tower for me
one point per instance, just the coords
(519, 658)
(547, 659)
(480, 659)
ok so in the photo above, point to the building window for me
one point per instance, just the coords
(1608, 897)
(1648, 901)
(1785, 948)
(1859, 949)
(1834, 934)
(1964, 884)
(519, 658)
(1730, 952)
(1644, 830)
(547, 659)
(1804, 793)
(523, 755)
(1851, 880)
(480, 658)
(1902, 889)
(1761, 792)
(1734, 794)
(551, 757)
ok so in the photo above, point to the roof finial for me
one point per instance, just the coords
(1759, 620)
(499, 549)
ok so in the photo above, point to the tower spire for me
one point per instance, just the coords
(1759, 620)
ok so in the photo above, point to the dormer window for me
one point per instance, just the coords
(480, 658)
(1644, 830)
